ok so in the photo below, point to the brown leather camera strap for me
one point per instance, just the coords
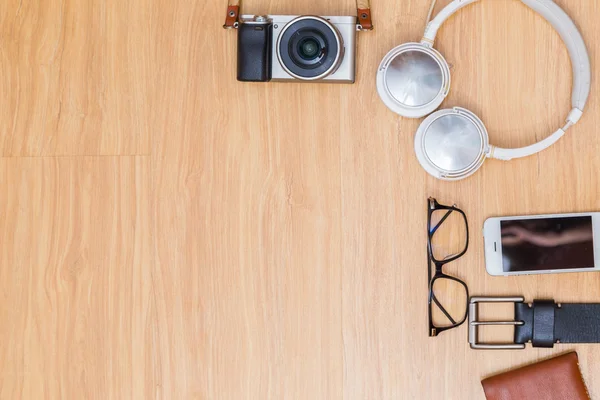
(363, 12)
(233, 14)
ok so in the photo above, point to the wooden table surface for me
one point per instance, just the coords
(169, 233)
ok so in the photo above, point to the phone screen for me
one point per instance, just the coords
(547, 244)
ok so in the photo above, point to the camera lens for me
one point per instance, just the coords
(310, 48)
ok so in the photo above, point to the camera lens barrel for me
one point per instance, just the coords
(310, 48)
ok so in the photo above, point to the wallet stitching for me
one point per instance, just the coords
(587, 392)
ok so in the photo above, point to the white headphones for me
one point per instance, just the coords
(451, 144)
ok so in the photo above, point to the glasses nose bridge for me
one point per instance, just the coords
(438, 267)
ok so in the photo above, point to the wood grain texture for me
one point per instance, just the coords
(77, 312)
(74, 76)
(272, 244)
(248, 269)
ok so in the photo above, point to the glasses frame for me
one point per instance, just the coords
(432, 206)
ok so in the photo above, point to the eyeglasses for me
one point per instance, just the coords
(447, 241)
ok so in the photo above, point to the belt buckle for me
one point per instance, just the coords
(474, 324)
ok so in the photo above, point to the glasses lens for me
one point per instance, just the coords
(449, 234)
(449, 302)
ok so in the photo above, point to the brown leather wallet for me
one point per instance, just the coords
(556, 379)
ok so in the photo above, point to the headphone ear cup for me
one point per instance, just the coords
(451, 144)
(413, 80)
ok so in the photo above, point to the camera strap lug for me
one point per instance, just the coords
(233, 14)
(363, 12)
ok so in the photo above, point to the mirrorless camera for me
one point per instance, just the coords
(296, 48)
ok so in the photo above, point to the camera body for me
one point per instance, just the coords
(288, 48)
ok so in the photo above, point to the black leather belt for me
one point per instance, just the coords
(542, 323)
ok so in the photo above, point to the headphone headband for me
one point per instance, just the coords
(580, 63)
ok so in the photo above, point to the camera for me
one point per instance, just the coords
(306, 48)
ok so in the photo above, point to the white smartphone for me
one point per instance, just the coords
(542, 244)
